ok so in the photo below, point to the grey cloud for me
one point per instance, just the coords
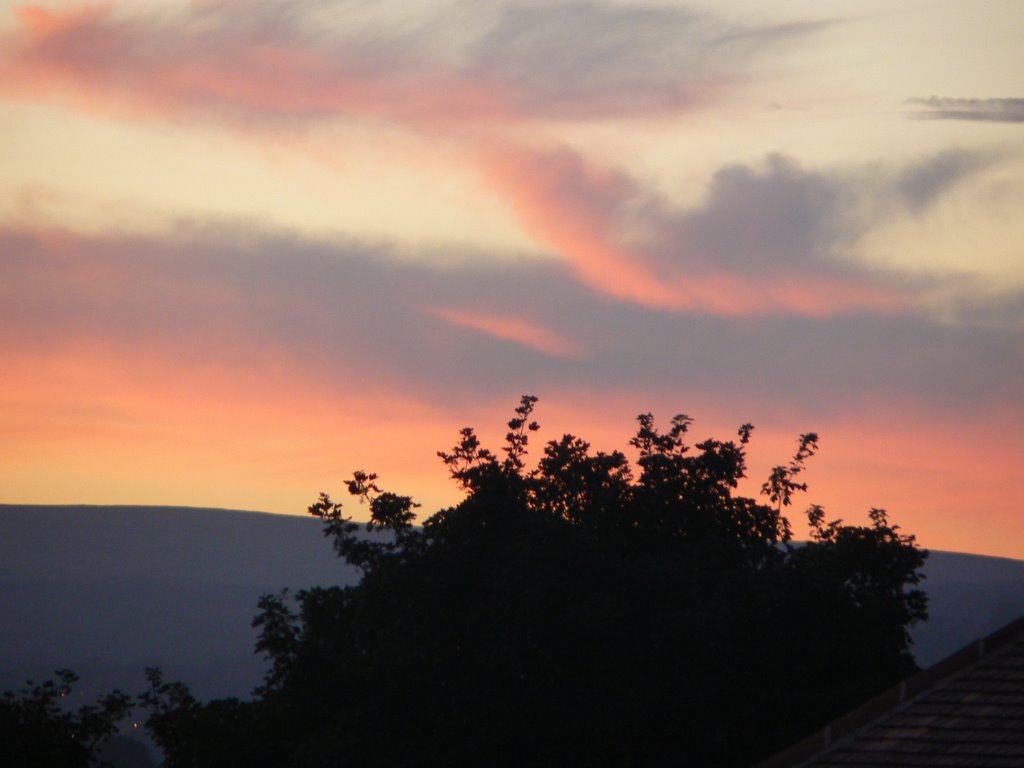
(923, 182)
(518, 59)
(352, 313)
(780, 218)
(980, 304)
(821, 364)
(584, 57)
(579, 58)
(984, 110)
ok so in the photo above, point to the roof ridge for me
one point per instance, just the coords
(894, 699)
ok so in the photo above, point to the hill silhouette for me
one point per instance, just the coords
(108, 590)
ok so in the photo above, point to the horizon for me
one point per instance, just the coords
(290, 515)
(246, 254)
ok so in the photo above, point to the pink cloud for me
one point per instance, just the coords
(42, 23)
(99, 61)
(569, 206)
(516, 329)
(575, 209)
(271, 59)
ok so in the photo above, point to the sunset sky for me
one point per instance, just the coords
(249, 247)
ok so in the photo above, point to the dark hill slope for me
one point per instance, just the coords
(110, 590)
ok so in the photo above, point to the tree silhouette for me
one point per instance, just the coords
(37, 731)
(587, 610)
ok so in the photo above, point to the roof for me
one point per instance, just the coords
(967, 710)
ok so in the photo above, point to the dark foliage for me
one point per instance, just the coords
(37, 730)
(222, 732)
(590, 610)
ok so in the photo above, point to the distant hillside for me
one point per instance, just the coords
(110, 590)
(970, 596)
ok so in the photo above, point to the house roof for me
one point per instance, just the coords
(967, 710)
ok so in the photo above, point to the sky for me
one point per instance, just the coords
(249, 247)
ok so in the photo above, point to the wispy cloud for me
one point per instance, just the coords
(923, 182)
(590, 59)
(207, 60)
(983, 110)
(572, 208)
(461, 62)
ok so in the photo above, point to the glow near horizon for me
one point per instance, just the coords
(244, 255)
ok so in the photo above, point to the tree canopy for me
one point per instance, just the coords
(37, 730)
(589, 608)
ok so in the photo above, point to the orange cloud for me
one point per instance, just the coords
(569, 206)
(102, 62)
(574, 208)
(516, 329)
(268, 61)
(42, 23)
